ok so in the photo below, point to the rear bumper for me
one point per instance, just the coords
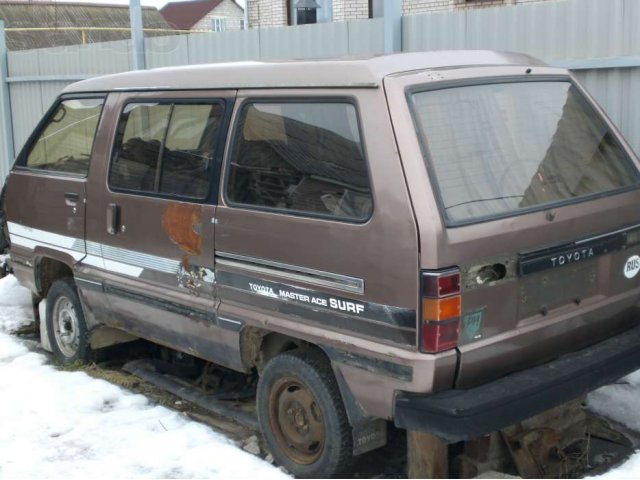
(456, 415)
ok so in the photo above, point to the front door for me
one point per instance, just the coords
(153, 224)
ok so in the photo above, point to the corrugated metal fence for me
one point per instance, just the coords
(36, 77)
(600, 39)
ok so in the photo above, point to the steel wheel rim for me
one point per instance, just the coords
(66, 327)
(296, 421)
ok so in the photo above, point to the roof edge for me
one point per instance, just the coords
(339, 72)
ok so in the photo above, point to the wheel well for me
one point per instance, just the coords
(258, 346)
(48, 271)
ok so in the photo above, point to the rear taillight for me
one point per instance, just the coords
(440, 312)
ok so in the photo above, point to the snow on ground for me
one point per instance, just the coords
(621, 402)
(57, 424)
(15, 302)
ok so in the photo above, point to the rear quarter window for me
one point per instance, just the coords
(504, 148)
(300, 157)
(65, 142)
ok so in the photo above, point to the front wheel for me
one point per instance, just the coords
(302, 416)
(66, 326)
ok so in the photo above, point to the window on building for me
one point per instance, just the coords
(300, 157)
(305, 16)
(303, 12)
(166, 148)
(218, 24)
(65, 143)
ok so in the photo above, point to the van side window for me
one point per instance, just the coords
(65, 142)
(190, 146)
(166, 148)
(139, 140)
(300, 157)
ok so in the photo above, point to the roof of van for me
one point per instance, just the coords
(345, 72)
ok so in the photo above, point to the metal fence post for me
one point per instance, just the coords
(7, 152)
(137, 34)
(391, 12)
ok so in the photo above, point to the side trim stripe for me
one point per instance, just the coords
(292, 272)
(42, 236)
(32, 244)
(289, 297)
(370, 364)
(140, 259)
(229, 324)
(161, 303)
(86, 284)
(106, 257)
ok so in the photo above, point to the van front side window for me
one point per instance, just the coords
(65, 143)
(300, 157)
(166, 148)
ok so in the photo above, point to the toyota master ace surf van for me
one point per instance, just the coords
(449, 241)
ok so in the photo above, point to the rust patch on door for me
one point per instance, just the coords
(183, 223)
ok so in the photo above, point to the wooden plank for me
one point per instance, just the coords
(427, 456)
(525, 463)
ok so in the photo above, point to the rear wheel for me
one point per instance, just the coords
(66, 326)
(302, 416)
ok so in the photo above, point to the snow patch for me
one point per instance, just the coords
(620, 402)
(60, 424)
(629, 469)
(15, 303)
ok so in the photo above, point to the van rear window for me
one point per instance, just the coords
(497, 149)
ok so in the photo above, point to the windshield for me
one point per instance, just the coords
(500, 148)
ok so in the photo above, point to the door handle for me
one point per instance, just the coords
(71, 198)
(113, 218)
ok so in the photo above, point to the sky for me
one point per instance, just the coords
(153, 3)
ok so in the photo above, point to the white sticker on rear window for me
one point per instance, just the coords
(632, 266)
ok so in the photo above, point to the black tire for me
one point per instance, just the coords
(66, 326)
(304, 374)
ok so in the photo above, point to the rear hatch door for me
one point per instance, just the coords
(521, 182)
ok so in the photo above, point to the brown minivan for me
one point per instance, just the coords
(449, 241)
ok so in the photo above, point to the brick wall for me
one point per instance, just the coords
(410, 7)
(270, 13)
(267, 13)
(350, 10)
(229, 10)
